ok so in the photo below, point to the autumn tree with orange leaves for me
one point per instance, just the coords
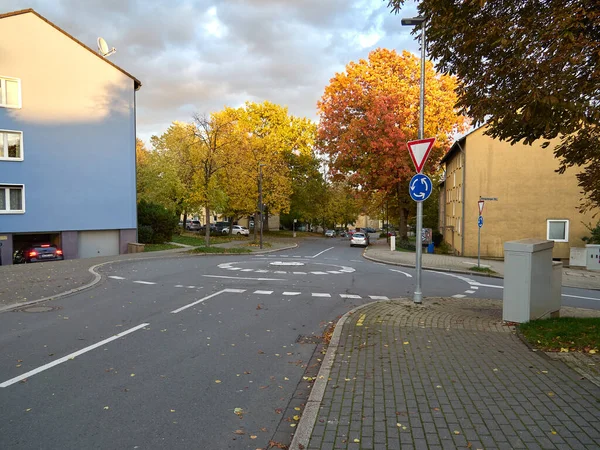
(369, 112)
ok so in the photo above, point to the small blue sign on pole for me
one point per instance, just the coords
(480, 221)
(420, 187)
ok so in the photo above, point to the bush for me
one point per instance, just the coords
(145, 234)
(437, 238)
(406, 245)
(445, 248)
(156, 224)
(595, 237)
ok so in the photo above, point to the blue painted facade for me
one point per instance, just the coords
(77, 116)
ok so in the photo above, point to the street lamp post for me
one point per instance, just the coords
(260, 202)
(412, 21)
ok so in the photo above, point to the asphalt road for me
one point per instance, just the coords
(162, 352)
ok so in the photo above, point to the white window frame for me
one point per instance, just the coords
(4, 150)
(565, 221)
(3, 80)
(6, 187)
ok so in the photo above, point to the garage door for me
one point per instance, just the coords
(98, 243)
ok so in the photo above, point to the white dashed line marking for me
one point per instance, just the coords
(263, 292)
(144, 282)
(350, 296)
(114, 277)
(469, 292)
(291, 293)
(378, 297)
(320, 294)
(459, 296)
(319, 273)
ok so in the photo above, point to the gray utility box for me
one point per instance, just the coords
(532, 281)
(593, 257)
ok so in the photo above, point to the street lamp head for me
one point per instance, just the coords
(412, 21)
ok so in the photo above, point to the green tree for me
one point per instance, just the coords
(529, 68)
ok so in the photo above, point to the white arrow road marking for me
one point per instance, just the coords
(115, 277)
(403, 273)
(234, 291)
(144, 282)
(475, 283)
(70, 356)
(320, 253)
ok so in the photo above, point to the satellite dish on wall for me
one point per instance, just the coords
(103, 48)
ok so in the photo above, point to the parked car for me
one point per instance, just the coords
(221, 226)
(238, 229)
(193, 225)
(359, 238)
(330, 233)
(368, 230)
(38, 253)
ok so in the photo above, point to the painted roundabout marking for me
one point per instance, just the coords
(334, 269)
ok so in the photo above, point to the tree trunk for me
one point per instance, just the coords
(184, 220)
(266, 222)
(207, 229)
(403, 228)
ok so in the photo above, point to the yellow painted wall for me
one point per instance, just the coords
(529, 193)
(453, 231)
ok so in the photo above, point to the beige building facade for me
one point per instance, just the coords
(524, 197)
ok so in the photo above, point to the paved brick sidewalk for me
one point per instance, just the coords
(445, 375)
(380, 251)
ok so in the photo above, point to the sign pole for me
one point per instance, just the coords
(480, 204)
(479, 247)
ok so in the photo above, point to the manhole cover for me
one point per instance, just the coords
(286, 263)
(38, 309)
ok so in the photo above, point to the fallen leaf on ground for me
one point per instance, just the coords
(253, 437)
(297, 408)
(456, 432)
(106, 407)
(239, 432)
(238, 411)
(554, 432)
(296, 417)
(28, 409)
(292, 424)
(217, 381)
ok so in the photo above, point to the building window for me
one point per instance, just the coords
(10, 92)
(12, 199)
(11, 145)
(459, 230)
(557, 230)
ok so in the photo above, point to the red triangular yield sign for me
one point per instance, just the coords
(419, 151)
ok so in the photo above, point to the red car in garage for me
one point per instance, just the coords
(38, 253)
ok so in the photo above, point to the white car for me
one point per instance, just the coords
(238, 229)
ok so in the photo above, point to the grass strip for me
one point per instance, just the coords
(219, 250)
(565, 334)
(159, 247)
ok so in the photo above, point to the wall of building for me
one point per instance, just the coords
(78, 124)
(529, 191)
(453, 220)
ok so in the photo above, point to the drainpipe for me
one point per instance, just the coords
(464, 172)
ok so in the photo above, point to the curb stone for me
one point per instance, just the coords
(98, 277)
(435, 269)
(311, 410)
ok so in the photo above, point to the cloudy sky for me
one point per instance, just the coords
(201, 55)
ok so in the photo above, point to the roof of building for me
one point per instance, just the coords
(137, 83)
(459, 144)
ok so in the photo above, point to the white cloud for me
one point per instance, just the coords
(200, 55)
